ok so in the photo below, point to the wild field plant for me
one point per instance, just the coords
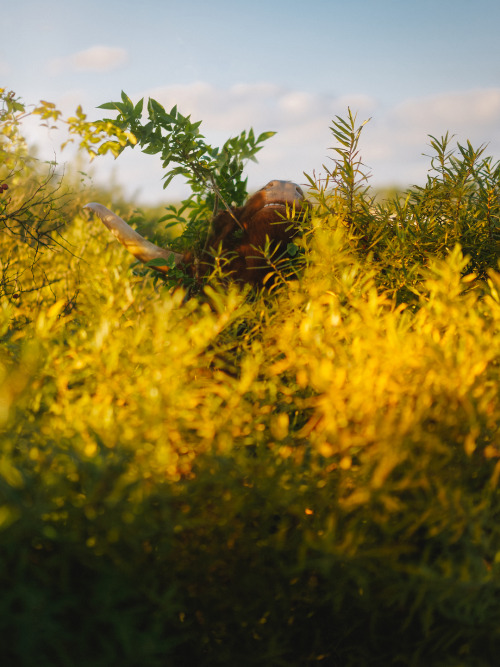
(33, 203)
(301, 476)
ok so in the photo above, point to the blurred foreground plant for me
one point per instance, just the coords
(312, 477)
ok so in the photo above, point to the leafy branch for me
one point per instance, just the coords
(214, 175)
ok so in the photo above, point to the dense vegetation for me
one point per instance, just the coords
(309, 474)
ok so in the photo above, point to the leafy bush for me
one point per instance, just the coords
(215, 175)
(32, 203)
(459, 204)
(304, 477)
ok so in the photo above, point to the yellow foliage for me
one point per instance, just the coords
(131, 408)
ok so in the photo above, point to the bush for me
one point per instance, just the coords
(308, 476)
(33, 204)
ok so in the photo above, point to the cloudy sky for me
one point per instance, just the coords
(415, 67)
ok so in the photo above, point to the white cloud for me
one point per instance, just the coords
(100, 59)
(398, 142)
(94, 59)
(243, 105)
(455, 110)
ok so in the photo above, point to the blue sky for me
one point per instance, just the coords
(415, 68)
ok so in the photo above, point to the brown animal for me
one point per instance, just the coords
(269, 214)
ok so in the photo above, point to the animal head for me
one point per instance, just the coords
(269, 214)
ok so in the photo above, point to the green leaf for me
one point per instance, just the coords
(161, 261)
(126, 100)
(108, 105)
(138, 108)
(264, 136)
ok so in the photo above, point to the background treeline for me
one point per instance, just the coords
(304, 475)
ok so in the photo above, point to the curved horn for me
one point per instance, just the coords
(133, 242)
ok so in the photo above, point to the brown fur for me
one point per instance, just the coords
(239, 240)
